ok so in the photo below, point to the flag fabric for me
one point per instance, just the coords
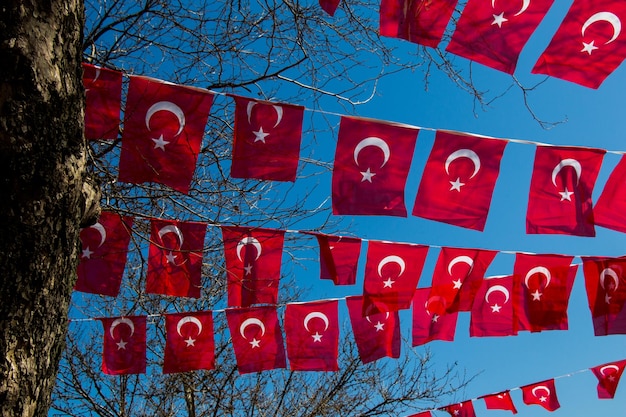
(253, 261)
(329, 6)
(608, 376)
(312, 334)
(266, 142)
(377, 335)
(124, 345)
(458, 180)
(189, 343)
(418, 21)
(175, 258)
(430, 320)
(605, 283)
(492, 313)
(257, 338)
(588, 46)
(500, 401)
(422, 414)
(339, 257)
(163, 129)
(103, 98)
(372, 162)
(541, 393)
(560, 190)
(464, 409)
(104, 249)
(610, 209)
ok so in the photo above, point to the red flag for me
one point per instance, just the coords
(605, 282)
(105, 245)
(560, 191)
(312, 333)
(103, 97)
(266, 143)
(458, 180)
(257, 339)
(189, 343)
(418, 21)
(392, 271)
(124, 347)
(430, 321)
(500, 401)
(541, 288)
(175, 258)
(329, 6)
(372, 162)
(163, 129)
(464, 409)
(422, 414)
(494, 33)
(253, 261)
(608, 377)
(588, 45)
(339, 257)
(492, 314)
(541, 393)
(377, 335)
(610, 209)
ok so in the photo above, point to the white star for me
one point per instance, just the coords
(456, 185)
(255, 343)
(190, 341)
(457, 284)
(160, 143)
(87, 253)
(456, 412)
(248, 269)
(611, 378)
(260, 135)
(389, 283)
(543, 399)
(536, 295)
(495, 308)
(435, 318)
(566, 195)
(121, 344)
(589, 47)
(316, 337)
(607, 298)
(367, 175)
(499, 19)
(171, 258)
(379, 327)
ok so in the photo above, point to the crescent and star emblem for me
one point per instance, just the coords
(170, 107)
(388, 260)
(495, 308)
(435, 298)
(609, 272)
(541, 270)
(498, 19)
(379, 325)
(543, 388)
(170, 257)
(87, 252)
(460, 259)
(249, 322)
(193, 320)
(316, 315)
(260, 135)
(462, 153)
(377, 143)
(566, 194)
(610, 375)
(249, 240)
(608, 17)
(128, 322)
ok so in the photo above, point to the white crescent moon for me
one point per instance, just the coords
(172, 229)
(435, 298)
(541, 387)
(567, 163)
(372, 141)
(119, 321)
(464, 259)
(249, 241)
(102, 231)
(391, 259)
(316, 315)
(609, 17)
(188, 319)
(608, 367)
(95, 78)
(525, 4)
(538, 270)
(369, 309)
(248, 322)
(611, 273)
(169, 107)
(279, 112)
(498, 288)
(464, 153)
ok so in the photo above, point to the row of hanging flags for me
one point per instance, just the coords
(587, 47)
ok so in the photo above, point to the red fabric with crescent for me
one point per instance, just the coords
(372, 162)
(189, 343)
(104, 249)
(560, 191)
(257, 339)
(329, 6)
(253, 261)
(500, 401)
(175, 258)
(605, 282)
(418, 21)
(339, 258)
(312, 334)
(458, 180)
(430, 321)
(103, 97)
(124, 345)
(464, 409)
(492, 313)
(163, 129)
(541, 393)
(610, 209)
(608, 376)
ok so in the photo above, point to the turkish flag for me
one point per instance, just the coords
(492, 313)
(494, 33)
(588, 45)
(608, 376)
(610, 209)
(422, 414)
(104, 249)
(189, 343)
(253, 261)
(266, 142)
(312, 333)
(605, 283)
(499, 401)
(377, 335)
(430, 321)
(103, 98)
(329, 6)
(124, 347)
(560, 190)
(418, 21)
(458, 180)
(541, 393)
(541, 288)
(257, 338)
(464, 409)
(392, 271)
(339, 257)
(372, 162)
(163, 129)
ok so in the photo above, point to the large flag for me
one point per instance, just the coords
(493, 33)
(419, 21)
(266, 142)
(253, 261)
(610, 209)
(499, 401)
(104, 249)
(492, 314)
(560, 191)
(124, 346)
(329, 6)
(458, 180)
(175, 258)
(257, 338)
(377, 335)
(605, 282)
(189, 343)
(339, 258)
(430, 320)
(163, 129)
(608, 376)
(541, 393)
(464, 409)
(312, 333)
(588, 45)
(103, 98)
(372, 162)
